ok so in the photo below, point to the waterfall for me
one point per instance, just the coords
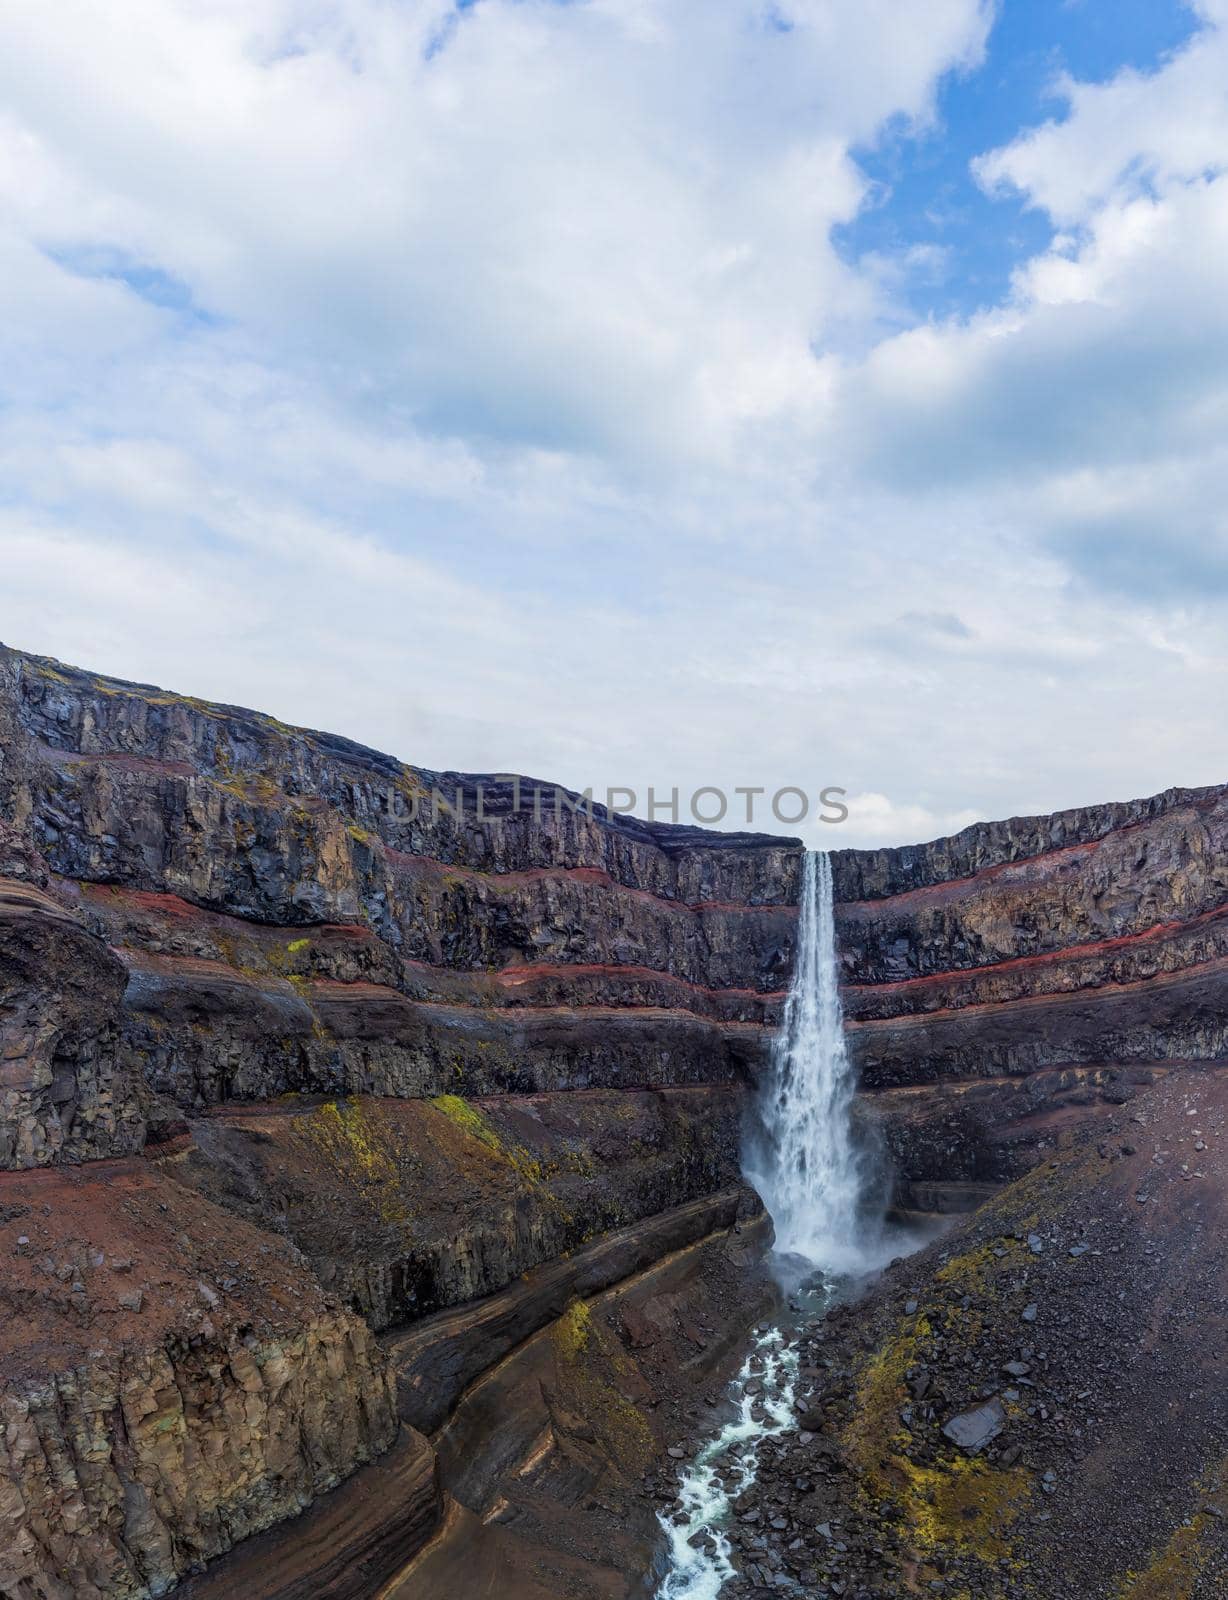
(806, 1164)
(804, 1160)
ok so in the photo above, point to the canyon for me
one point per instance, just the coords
(372, 1212)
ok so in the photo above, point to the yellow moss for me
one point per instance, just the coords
(969, 1272)
(296, 945)
(875, 1431)
(45, 670)
(469, 1119)
(963, 1504)
(957, 1505)
(478, 1126)
(573, 1329)
(251, 787)
(1173, 1572)
(593, 1372)
(362, 1153)
(530, 1169)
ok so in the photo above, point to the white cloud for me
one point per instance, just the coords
(486, 385)
(594, 227)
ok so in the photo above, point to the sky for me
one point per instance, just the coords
(635, 392)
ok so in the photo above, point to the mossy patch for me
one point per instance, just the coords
(531, 1169)
(956, 1505)
(1174, 1571)
(361, 1151)
(469, 1119)
(875, 1432)
(593, 1373)
(964, 1505)
(974, 1271)
(573, 1329)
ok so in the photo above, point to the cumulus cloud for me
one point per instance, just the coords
(600, 227)
(483, 382)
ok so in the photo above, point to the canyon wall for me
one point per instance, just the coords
(430, 1054)
(421, 1065)
(1002, 985)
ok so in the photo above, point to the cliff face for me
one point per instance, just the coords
(63, 1094)
(1004, 985)
(1091, 936)
(445, 1072)
(173, 1381)
(253, 978)
(298, 914)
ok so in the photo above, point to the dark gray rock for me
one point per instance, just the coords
(973, 1430)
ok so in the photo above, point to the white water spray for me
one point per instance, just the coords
(806, 1163)
(807, 1167)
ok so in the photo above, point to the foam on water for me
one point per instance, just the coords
(725, 1468)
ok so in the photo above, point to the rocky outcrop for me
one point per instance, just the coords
(417, 1055)
(438, 1358)
(298, 913)
(1004, 985)
(347, 1545)
(63, 1094)
(404, 1208)
(1095, 935)
(173, 1381)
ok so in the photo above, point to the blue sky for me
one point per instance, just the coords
(925, 190)
(635, 391)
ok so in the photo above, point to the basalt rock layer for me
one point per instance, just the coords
(298, 913)
(422, 1057)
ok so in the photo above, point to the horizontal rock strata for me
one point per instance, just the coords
(347, 1545)
(406, 1207)
(438, 1358)
(387, 1056)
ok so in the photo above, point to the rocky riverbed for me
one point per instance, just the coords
(1033, 1407)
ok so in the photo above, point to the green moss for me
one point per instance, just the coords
(357, 1145)
(593, 1374)
(956, 1504)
